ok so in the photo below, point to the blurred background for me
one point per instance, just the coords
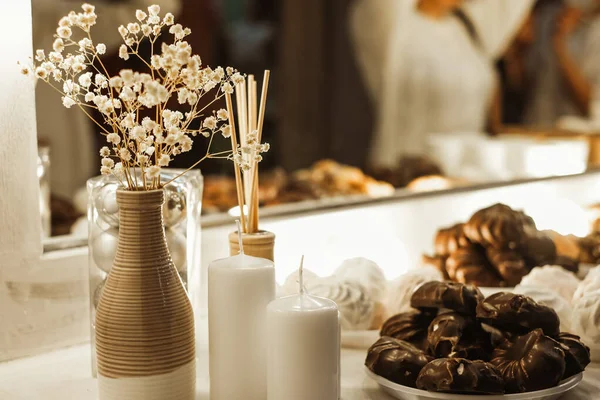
(367, 97)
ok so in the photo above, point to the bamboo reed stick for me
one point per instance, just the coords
(238, 179)
(244, 132)
(253, 214)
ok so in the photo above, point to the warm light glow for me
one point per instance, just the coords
(235, 211)
(430, 183)
(561, 215)
(556, 158)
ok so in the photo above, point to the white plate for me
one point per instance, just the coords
(359, 339)
(408, 393)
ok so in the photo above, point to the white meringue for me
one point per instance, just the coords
(549, 298)
(365, 272)
(593, 273)
(357, 309)
(589, 284)
(553, 277)
(401, 289)
(585, 318)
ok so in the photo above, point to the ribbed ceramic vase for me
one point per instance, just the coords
(260, 244)
(144, 322)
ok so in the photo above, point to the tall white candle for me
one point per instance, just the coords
(239, 290)
(303, 348)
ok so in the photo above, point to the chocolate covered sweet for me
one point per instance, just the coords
(454, 335)
(448, 240)
(409, 326)
(539, 250)
(498, 226)
(567, 263)
(509, 264)
(516, 313)
(548, 297)
(396, 360)
(590, 248)
(453, 296)
(577, 354)
(469, 265)
(530, 362)
(461, 376)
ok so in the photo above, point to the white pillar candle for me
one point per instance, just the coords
(303, 348)
(239, 290)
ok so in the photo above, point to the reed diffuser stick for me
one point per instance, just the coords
(253, 216)
(238, 178)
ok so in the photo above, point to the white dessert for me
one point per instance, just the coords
(588, 285)
(401, 289)
(291, 285)
(365, 272)
(357, 308)
(549, 298)
(554, 277)
(593, 273)
(585, 318)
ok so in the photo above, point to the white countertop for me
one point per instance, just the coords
(66, 374)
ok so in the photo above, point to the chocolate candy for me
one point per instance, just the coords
(516, 313)
(590, 248)
(409, 326)
(567, 263)
(448, 240)
(498, 226)
(529, 362)
(468, 265)
(577, 354)
(539, 250)
(454, 296)
(459, 375)
(396, 360)
(454, 335)
(509, 264)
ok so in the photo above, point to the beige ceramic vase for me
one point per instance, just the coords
(260, 244)
(144, 323)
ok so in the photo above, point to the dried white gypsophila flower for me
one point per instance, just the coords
(125, 101)
(153, 172)
(140, 15)
(222, 114)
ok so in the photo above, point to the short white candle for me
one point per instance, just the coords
(303, 348)
(239, 290)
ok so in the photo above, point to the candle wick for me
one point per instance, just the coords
(239, 231)
(301, 275)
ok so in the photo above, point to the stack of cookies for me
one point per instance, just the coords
(496, 247)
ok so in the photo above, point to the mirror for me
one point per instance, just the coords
(366, 97)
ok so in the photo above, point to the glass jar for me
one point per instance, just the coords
(43, 173)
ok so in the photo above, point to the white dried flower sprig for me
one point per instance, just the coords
(75, 70)
(249, 154)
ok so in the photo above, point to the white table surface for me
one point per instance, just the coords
(65, 374)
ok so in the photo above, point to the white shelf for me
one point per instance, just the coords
(65, 374)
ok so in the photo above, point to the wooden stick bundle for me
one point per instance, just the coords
(250, 120)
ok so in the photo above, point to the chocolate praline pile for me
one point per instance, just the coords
(496, 247)
(457, 341)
